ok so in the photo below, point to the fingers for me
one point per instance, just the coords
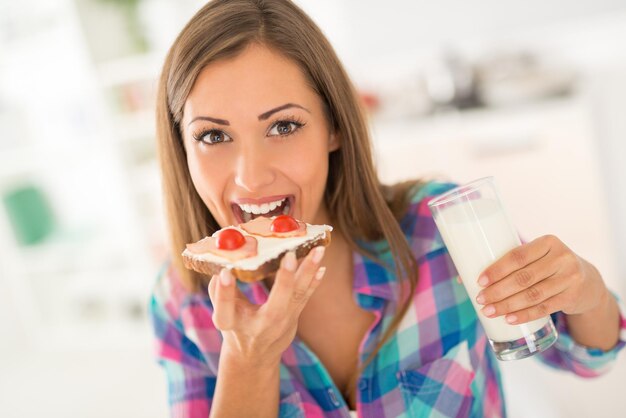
(308, 278)
(521, 289)
(224, 296)
(284, 282)
(518, 258)
(292, 288)
(305, 274)
(518, 281)
(527, 298)
(541, 310)
(294, 285)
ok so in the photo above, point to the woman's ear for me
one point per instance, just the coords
(333, 142)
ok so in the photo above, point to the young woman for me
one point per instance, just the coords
(254, 107)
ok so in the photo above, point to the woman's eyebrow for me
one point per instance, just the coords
(262, 116)
(269, 113)
(209, 118)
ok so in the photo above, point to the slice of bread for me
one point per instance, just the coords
(270, 251)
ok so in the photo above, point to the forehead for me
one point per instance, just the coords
(255, 80)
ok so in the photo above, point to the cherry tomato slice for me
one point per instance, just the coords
(284, 223)
(230, 239)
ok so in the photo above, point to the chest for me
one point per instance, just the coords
(333, 327)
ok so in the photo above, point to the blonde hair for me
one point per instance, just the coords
(358, 204)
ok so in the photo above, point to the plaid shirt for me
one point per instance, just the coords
(437, 363)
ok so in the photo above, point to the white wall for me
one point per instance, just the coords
(370, 28)
(609, 93)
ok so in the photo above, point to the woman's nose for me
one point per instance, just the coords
(253, 171)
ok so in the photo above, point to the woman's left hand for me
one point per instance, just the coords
(537, 279)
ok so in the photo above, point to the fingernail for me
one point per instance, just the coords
(320, 273)
(290, 263)
(489, 310)
(318, 253)
(511, 319)
(225, 277)
(483, 280)
(480, 298)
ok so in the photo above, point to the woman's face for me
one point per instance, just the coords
(257, 139)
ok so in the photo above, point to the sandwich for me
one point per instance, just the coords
(253, 250)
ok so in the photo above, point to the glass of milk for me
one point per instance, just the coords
(477, 231)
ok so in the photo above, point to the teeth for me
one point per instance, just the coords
(260, 209)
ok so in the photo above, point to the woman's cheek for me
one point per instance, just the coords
(305, 161)
(209, 174)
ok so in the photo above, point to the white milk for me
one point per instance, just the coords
(476, 244)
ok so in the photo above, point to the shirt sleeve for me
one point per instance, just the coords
(567, 354)
(191, 383)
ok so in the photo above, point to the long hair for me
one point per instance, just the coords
(358, 204)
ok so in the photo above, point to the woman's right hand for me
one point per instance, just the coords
(258, 334)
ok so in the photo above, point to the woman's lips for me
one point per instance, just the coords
(238, 212)
(267, 199)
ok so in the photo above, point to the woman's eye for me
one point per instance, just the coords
(213, 137)
(284, 128)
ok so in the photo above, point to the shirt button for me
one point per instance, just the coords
(362, 384)
(333, 397)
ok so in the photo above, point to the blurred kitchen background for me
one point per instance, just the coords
(531, 92)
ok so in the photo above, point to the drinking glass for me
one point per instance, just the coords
(477, 231)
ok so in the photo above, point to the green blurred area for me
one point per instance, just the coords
(29, 214)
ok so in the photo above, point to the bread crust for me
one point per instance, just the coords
(264, 270)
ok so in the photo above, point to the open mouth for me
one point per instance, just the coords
(246, 212)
